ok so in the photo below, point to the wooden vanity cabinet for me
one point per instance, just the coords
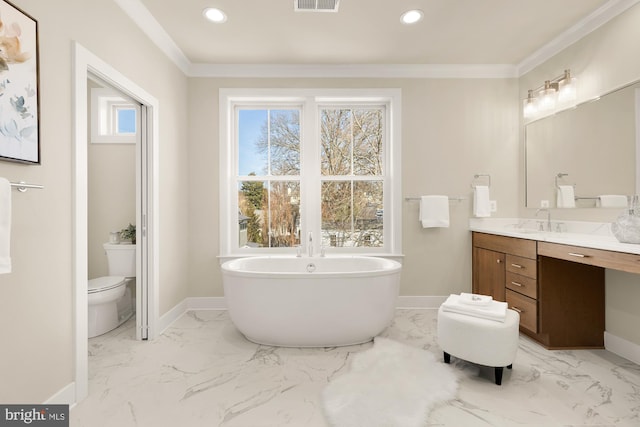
(571, 304)
(505, 268)
(488, 273)
(560, 299)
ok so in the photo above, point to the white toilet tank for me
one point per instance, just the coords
(121, 259)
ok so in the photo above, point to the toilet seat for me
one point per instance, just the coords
(105, 283)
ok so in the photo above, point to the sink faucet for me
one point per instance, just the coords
(310, 245)
(548, 226)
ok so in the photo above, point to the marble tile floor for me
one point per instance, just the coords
(202, 372)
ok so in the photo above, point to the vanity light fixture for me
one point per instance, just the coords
(411, 16)
(567, 88)
(529, 108)
(548, 96)
(214, 15)
(559, 92)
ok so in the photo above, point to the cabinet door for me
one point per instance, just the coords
(489, 273)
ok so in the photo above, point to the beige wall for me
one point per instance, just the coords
(36, 311)
(602, 61)
(451, 130)
(112, 198)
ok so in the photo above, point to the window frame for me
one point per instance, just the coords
(105, 105)
(310, 101)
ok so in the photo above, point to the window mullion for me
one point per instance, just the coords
(309, 173)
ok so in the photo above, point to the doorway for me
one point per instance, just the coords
(88, 65)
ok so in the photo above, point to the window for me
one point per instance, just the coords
(125, 123)
(268, 175)
(352, 184)
(114, 118)
(323, 163)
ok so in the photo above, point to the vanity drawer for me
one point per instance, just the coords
(522, 284)
(597, 257)
(509, 245)
(527, 308)
(523, 266)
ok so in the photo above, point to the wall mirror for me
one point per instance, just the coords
(592, 146)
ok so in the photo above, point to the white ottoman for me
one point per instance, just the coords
(482, 341)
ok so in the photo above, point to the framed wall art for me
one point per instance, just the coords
(19, 86)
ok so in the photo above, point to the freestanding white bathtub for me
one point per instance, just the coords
(311, 302)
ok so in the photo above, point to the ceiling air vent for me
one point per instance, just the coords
(316, 5)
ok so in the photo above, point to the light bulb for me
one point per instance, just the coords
(567, 89)
(529, 106)
(411, 16)
(547, 97)
(214, 15)
(529, 109)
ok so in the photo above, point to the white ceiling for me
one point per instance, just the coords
(368, 32)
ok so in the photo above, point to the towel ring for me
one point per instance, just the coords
(561, 175)
(479, 175)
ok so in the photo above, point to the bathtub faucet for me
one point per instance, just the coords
(310, 245)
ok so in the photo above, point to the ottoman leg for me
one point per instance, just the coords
(447, 357)
(498, 371)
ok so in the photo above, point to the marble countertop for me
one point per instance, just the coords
(586, 234)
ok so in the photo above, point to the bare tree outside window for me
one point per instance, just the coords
(273, 206)
(352, 206)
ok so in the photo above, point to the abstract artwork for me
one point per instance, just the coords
(19, 103)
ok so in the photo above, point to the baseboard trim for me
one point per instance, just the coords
(206, 303)
(65, 396)
(170, 316)
(622, 347)
(189, 304)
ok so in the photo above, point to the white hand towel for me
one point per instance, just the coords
(475, 299)
(613, 201)
(5, 226)
(434, 211)
(496, 310)
(481, 203)
(566, 197)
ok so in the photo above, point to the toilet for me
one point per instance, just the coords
(110, 302)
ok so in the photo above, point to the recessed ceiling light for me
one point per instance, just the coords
(214, 15)
(411, 16)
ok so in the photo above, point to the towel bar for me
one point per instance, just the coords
(417, 199)
(23, 186)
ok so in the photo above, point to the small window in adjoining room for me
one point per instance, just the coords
(125, 120)
(317, 162)
(114, 118)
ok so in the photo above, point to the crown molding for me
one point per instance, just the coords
(432, 71)
(593, 21)
(152, 28)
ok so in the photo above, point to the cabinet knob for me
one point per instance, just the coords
(498, 261)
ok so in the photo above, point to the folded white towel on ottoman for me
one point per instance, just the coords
(495, 310)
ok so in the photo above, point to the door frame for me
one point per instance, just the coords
(147, 206)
